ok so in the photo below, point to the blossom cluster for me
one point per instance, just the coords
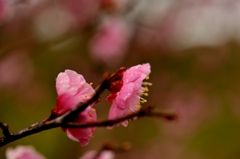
(126, 96)
(127, 89)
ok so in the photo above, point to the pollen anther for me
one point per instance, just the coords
(147, 84)
(145, 94)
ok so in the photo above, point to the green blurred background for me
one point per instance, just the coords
(200, 82)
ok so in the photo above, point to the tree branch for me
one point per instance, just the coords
(42, 126)
(63, 120)
(144, 112)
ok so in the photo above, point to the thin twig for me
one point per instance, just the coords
(5, 129)
(144, 112)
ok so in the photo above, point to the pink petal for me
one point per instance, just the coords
(76, 80)
(71, 136)
(137, 73)
(146, 69)
(122, 96)
(114, 113)
(128, 98)
(132, 104)
(72, 89)
(69, 81)
(84, 141)
(66, 102)
(83, 135)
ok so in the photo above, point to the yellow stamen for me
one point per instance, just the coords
(145, 94)
(147, 84)
(146, 89)
(138, 105)
(142, 100)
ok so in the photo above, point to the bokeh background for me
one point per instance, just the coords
(192, 46)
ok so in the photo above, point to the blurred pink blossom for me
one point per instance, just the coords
(193, 109)
(50, 24)
(73, 89)
(5, 11)
(23, 152)
(106, 154)
(110, 42)
(12, 68)
(83, 11)
(128, 99)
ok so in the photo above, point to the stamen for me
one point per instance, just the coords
(147, 78)
(139, 105)
(142, 100)
(145, 94)
(147, 84)
(146, 89)
(91, 83)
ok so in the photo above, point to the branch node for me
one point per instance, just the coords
(5, 129)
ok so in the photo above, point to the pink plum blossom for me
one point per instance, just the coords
(106, 154)
(128, 99)
(111, 40)
(73, 89)
(23, 152)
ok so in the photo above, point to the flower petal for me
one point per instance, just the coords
(127, 100)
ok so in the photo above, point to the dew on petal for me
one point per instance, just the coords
(73, 90)
(128, 99)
